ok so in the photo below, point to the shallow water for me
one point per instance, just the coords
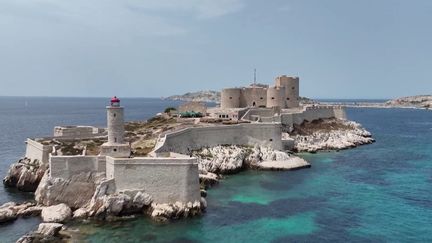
(379, 192)
(22, 117)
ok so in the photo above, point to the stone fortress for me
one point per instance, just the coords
(167, 177)
(284, 94)
(257, 116)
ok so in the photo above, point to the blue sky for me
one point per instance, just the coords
(154, 48)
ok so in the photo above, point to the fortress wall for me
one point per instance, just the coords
(261, 112)
(313, 113)
(253, 94)
(340, 113)
(266, 134)
(167, 180)
(36, 150)
(76, 131)
(230, 98)
(66, 166)
(193, 106)
(276, 97)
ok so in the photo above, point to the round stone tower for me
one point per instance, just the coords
(230, 98)
(276, 97)
(115, 147)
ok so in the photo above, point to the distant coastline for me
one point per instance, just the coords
(409, 102)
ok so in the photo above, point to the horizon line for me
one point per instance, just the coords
(163, 97)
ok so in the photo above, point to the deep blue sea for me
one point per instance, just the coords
(374, 193)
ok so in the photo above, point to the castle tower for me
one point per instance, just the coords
(291, 85)
(115, 147)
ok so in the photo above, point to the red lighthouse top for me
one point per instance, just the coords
(115, 101)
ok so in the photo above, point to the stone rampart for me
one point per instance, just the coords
(312, 113)
(36, 150)
(66, 166)
(77, 131)
(167, 180)
(183, 141)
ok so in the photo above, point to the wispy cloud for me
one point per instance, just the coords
(145, 17)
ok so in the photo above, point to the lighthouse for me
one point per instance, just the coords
(115, 147)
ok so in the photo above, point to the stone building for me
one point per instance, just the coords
(193, 106)
(284, 94)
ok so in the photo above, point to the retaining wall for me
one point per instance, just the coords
(36, 150)
(312, 113)
(183, 141)
(167, 180)
(77, 131)
(66, 166)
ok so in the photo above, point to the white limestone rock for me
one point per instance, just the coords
(330, 134)
(56, 214)
(119, 204)
(7, 215)
(11, 211)
(163, 212)
(49, 229)
(293, 163)
(208, 179)
(80, 213)
(76, 192)
(231, 159)
(25, 175)
(221, 159)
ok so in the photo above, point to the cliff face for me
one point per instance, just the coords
(419, 101)
(201, 96)
(215, 96)
(329, 134)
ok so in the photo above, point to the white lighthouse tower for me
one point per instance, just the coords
(115, 147)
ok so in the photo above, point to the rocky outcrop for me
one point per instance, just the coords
(233, 158)
(329, 134)
(57, 213)
(11, 211)
(208, 179)
(75, 192)
(46, 232)
(164, 212)
(418, 101)
(49, 229)
(118, 204)
(90, 195)
(25, 175)
(202, 96)
(7, 214)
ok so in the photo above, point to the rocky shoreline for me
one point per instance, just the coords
(90, 196)
(329, 134)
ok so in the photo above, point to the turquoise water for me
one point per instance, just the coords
(376, 193)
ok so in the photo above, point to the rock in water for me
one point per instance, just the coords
(329, 134)
(46, 232)
(49, 229)
(231, 159)
(25, 175)
(11, 211)
(7, 215)
(76, 192)
(163, 212)
(56, 214)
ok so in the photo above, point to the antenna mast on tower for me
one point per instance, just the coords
(254, 77)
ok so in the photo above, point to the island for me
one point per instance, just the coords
(164, 166)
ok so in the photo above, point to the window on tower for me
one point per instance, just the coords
(114, 114)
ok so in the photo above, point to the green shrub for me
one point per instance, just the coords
(168, 109)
